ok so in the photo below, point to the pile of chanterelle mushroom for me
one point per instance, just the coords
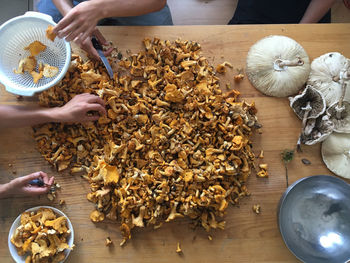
(172, 144)
(279, 66)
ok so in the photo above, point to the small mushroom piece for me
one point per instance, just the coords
(314, 98)
(325, 76)
(316, 130)
(178, 248)
(336, 153)
(277, 66)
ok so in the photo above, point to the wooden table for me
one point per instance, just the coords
(248, 237)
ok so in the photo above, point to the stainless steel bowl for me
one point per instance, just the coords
(314, 219)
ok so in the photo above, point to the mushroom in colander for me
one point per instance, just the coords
(336, 154)
(325, 76)
(277, 66)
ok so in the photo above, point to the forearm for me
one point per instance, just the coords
(122, 8)
(19, 116)
(316, 10)
(64, 6)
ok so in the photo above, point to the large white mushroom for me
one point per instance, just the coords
(325, 76)
(336, 153)
(277, 66)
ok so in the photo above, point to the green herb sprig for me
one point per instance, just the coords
(287, 156)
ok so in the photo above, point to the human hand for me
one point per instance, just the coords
(21, 187)
(76, 110)
(79, 25)
(89, 48)
(79, 22)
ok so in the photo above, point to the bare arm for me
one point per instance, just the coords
(80, 22)
(316, 10)
(19, 116)
(74, 111)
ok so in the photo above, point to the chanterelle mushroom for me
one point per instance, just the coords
(277, 66)
(172, 144)
(325, 76)
(336, 153)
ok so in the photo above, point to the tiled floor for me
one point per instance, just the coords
(185, 12)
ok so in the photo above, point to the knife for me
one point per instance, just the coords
(99, 49)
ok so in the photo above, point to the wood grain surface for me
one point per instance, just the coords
(248, 237)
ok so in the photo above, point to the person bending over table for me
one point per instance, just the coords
(282, 11)
(77, 19)
(76, 110)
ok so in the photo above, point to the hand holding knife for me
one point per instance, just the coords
(99, 50)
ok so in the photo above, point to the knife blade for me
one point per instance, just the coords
(105, 62)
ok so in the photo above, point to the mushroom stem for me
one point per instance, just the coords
(306, 110)
(290, 63)
(347, 154)
(344, 75)
(339, 108)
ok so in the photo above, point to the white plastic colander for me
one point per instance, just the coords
(18, 33)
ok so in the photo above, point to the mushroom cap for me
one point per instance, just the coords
(336, 153)
(343, 124)
(319, 129)
(314, 97)
(323, 70)
(273, 80)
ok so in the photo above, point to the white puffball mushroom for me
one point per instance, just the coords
(324, 76)
(277, 66)
(336, 154)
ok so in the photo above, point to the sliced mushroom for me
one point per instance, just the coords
(336, 154)
(277, 66)
(325, 76)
